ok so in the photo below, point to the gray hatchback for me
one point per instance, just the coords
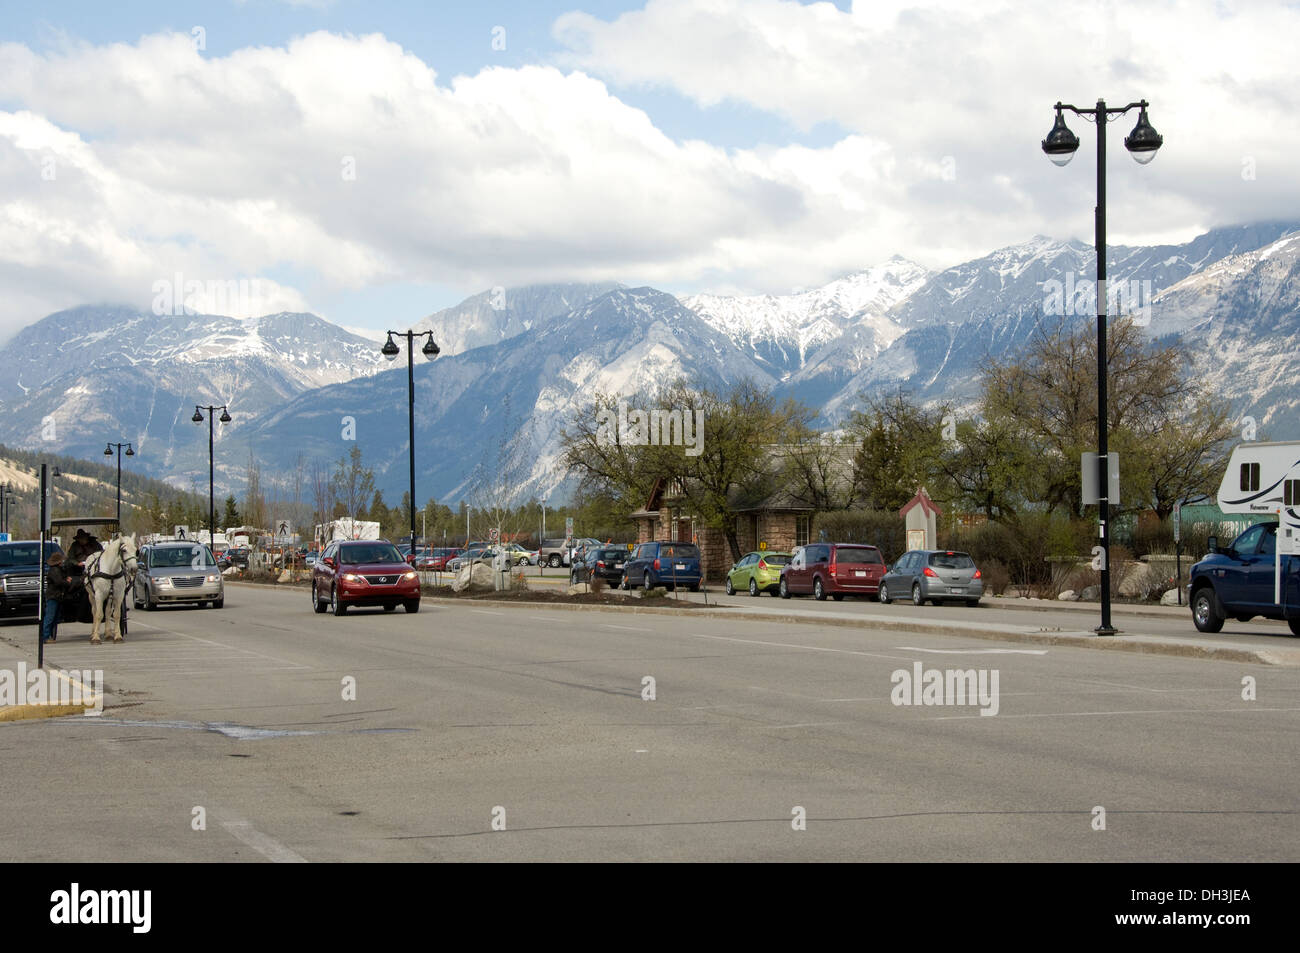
(171, 573)
(937, 575)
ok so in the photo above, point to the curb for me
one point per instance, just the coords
(1286, 658)
(1261, 656)
(30, 712)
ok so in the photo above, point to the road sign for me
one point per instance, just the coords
(283, 529)
(4, 537)
(1178, 522)
(494, 536)
(568, 526)
(763, 546)
(181, 532)
(1091, 483)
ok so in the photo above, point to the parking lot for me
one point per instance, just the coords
(543, 720)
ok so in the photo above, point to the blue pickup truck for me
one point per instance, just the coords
(1239, 582)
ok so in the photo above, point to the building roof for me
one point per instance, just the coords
(923, 500)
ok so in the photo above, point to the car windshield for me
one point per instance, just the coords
(951, 561)
(24, 554)
(613, 553)
(680, 551)
(775, 559)
(370, 553)
(174, 557)
(858, 554)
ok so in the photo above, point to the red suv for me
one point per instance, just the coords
(834, 569)
(363, 572)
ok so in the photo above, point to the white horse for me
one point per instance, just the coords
(108, 574)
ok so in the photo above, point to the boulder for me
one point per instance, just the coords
(1169, 598)
(476, 577)
(1069, 595)
(1090, 593)
(285, 576)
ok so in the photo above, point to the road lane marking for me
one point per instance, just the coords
(626, 628)
(267, 846)
(792, 645)
(1085, 714)
(913, 648)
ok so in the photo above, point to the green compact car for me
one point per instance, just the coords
(757, 572)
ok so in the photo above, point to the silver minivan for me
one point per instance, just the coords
(172, 573)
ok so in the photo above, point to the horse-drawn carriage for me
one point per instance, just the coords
(100, 574)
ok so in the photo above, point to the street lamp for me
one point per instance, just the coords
(212, 507)
(1060, 146)
(390, 350)
(108, 452)
(7, 500)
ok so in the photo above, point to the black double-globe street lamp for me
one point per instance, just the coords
(108, 452)
(1060, 146)
(390, 350)
(212, 506)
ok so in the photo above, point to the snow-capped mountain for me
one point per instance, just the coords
(87, 375)
(518, 364)
(500, 313)
(1242, 316)
(519, 393)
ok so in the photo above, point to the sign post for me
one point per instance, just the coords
(1178, 550)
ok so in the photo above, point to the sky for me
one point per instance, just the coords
(373, 162)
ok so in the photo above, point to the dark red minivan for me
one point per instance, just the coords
(833, 569)
(363, 572)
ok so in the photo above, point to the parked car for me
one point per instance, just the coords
(663, 564)
(177, 574)
(757, 572)
(832, 569)
(605, 562)
(438, 559)
(20, 576)
(1239, 582)
(521, 555)
(553, 553)
(363, 572)
(470, 556)
(937, 575)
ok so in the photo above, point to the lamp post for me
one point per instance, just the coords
(7, 499)
(212, 506)
(108, 452)
(1060, 146)
(390, 350)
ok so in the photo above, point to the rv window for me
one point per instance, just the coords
(1291, 492)
(1250, 476)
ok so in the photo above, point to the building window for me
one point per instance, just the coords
(802, 530)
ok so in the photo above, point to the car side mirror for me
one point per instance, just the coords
(328, 561)
(1213, 544)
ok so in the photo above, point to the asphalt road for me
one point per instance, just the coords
(535, 717)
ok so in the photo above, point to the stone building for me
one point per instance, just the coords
(776, 519)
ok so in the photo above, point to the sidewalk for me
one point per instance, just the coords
(18, 662)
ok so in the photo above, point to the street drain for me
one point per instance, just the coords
(348, 813)
(239, 756)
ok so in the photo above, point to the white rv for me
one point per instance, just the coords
(1264, 478)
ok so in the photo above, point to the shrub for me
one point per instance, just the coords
(883, 529)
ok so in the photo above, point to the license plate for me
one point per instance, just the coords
(859, 572)
(958, 588)
(681, 566)
(618, 565)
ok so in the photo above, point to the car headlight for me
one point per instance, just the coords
(350, 577)
(213, 577)
(410, 576)
(162, 582)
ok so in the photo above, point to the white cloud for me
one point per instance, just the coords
(167, 160)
